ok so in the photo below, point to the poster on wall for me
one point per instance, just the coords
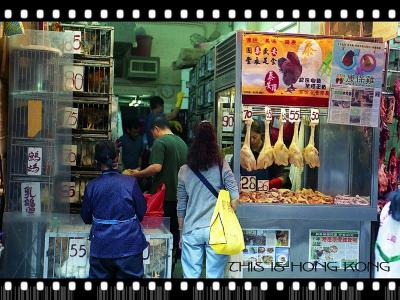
(268, 247)
(337, 247)
(286, 66)
(356, 83)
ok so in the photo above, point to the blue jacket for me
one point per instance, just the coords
(114, 205)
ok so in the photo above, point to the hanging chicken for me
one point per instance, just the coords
(295, 155)
(247, 159)
(311, 156)
(266, 156)
(291, 69)
(393, 170)
(383, 181)
(281, 152)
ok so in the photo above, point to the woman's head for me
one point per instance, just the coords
(204, 151)
(106, 154)
(394, 209)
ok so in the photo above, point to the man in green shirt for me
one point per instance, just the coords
(168, 155)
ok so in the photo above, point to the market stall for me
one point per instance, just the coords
(317, 98)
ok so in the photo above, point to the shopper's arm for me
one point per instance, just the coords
(149, 171)
(140, 202)
(182, 197)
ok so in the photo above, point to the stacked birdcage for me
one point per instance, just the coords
(36, 171)
(90, 78)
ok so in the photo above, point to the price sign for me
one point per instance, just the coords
(247, 112)
(294, 115)
(248, 183)
(263, 185)
(69, 192)
(75, 45)
(283, 115)
(31, 199)
(34, 161)
(73, 78)
(268, 113)
(146, 252)
(314, 115)
(77, 252)
(227, 121)
(70, 117)
(69, 154)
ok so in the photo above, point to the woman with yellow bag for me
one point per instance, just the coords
(198, 182)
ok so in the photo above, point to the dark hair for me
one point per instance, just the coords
(105, 153)
(160, 122)
(256, 127)
(394, 209)
(204, 152)
(156, 101)
(132, 123)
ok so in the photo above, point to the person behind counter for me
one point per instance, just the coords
(278, 176)
(157, 110)
(387, 247)
(114, 204)
(196, 203)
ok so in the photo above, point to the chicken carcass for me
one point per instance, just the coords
(311, 156)
(281, 152)
(383, 180)
(247, 159)
(295, 155)
(393, 170)
(266, 157)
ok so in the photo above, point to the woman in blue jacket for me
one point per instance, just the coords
(114, 204)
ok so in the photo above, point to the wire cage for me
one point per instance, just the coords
(85, 153)
(67, 252)
(34, 133)
(93, 117)
(91, 41)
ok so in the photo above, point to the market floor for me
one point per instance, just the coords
(178, 272)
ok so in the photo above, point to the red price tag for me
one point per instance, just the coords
(227, 121)
(294, 115)
(314, 115)
(268, 113)
(263, 185)
(73, 78)
(71, 117)
(247, 112)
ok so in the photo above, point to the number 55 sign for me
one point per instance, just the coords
(77, 251)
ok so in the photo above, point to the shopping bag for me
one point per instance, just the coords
(155, 202)
(226, 235)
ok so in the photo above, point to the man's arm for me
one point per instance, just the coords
(87, 210)
(172, 115)
(149, 171)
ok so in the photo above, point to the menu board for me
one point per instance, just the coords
(336, 247)
(286, 66)
(269, 247)
(356, 83)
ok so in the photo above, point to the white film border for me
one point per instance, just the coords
(154, 14)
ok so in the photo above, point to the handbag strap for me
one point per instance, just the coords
(207, 183)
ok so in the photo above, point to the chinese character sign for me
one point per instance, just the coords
(286, 66)
(30, 194)
(356, 82)
(34, 161)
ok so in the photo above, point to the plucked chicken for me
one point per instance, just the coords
(311, 156)
(266, 157)
(383, 180)
(247, 159)
(281, 152)
(295, 155)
